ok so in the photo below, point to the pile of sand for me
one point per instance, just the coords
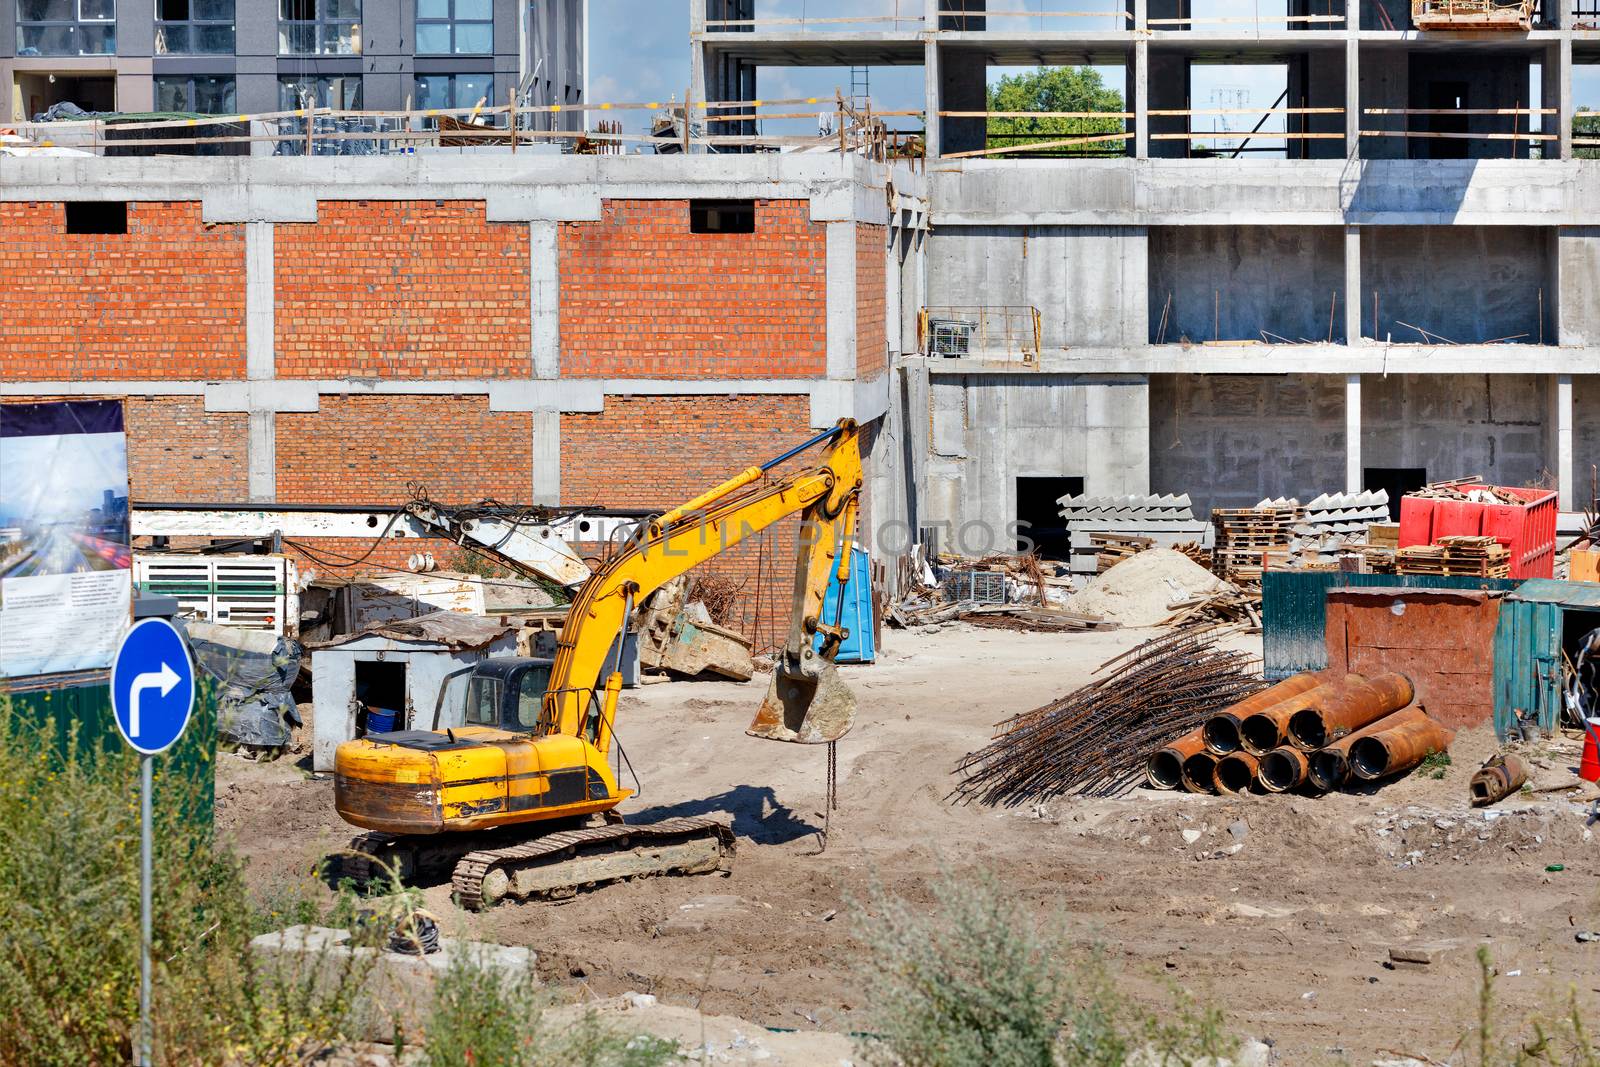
(1136, 591)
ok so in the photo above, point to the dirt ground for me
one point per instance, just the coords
(1291, 931)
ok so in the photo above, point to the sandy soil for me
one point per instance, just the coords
(1291, 931)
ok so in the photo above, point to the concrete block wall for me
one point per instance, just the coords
(1230, 440)
(543, 329)
(1460, 425)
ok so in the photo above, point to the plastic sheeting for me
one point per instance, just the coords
(256, 670)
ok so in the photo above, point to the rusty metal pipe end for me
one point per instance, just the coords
(1327, 769)
(1164, 769)
(1260, 734)
(1399, 747)
(1198, 772)
(1369, 758)
(1307, 731)
(1282, 769)
(1235, 772)
(1221, 734)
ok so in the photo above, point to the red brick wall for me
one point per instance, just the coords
(164, 300)
(347, 557)
(657, 452)
(871, 301)
(643, 297)
(413, 289)
(178, 452)
(364, 449)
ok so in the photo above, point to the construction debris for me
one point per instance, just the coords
(1111, 549)
(1502, 775)
(1094, 741)
(1243, 536)
(1463, 555)
(680, 638)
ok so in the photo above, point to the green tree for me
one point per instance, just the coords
(1055, 89)
(1584, 125)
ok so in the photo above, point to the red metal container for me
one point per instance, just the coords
(1456, 518)
(1528, 530)
(1416, 520)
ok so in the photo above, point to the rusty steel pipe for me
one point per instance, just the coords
(1282, 769)
(1263, 731)
(1199, 771)
(1318, 727)
(1234, 773)
(1398, 748)
(1221, 731)
(1504, 774)
(1164, 768)
(1330, 767)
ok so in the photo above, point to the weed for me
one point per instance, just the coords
(1556, 1036)
(1433, 764)
(487, 1017)
(972, 980)
(69, 964)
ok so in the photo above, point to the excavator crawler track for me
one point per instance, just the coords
(562, 863)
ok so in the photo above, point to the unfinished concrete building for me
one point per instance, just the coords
(1389, 279)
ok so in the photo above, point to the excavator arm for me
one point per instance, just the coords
(806, 702)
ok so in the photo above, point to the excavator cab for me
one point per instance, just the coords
(506, 693)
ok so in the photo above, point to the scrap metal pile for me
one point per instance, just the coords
(1313, 731)
(1093, 741)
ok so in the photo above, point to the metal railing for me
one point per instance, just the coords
(986, 332)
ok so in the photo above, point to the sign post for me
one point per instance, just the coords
(152, 694)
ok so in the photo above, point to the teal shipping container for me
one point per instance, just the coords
(1294, 611)
(1541, 624)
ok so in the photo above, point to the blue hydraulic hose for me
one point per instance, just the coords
(797, 449)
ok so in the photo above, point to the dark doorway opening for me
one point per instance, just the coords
(1396, 481)
(1447, 96)
(381, 694)
(1039, 515)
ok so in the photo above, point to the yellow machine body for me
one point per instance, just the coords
(474, 778)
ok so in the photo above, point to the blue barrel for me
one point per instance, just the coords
(381, 720)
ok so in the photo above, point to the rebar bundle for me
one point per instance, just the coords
(1094, 741)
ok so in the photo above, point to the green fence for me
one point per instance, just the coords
(185, 775)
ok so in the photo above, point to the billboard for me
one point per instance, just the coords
(65, 583)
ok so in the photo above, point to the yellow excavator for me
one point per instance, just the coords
(511, 812)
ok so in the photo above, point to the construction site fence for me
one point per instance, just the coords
(333, 131)
(981, 21)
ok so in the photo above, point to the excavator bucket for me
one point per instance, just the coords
(807, 703)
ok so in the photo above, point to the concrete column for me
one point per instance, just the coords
(262, 457)
(1352, 433)
(547, 458)
(1563, 96)
(1352, 285)
(1561, 420)
(841, 300)
(1352, 96)
(259, 297)
(930, 91)
(697, 50)
(891, 288)
(1141, 92)
(544, 285)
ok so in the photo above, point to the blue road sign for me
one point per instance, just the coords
(152, 686)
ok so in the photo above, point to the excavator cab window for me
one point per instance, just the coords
(531, 685)
(483, 702)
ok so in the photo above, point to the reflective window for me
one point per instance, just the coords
(455, 27)
(483, 702)
(194, 27)
(319, 27)
(201, 93)
(450, 91)
(343, 94)
(530, 696)
(66, 27)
